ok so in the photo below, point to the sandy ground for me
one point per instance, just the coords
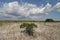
(44, 31)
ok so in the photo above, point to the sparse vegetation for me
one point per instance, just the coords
(29, 27)
(12, 31)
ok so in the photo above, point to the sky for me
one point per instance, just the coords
(29, 9)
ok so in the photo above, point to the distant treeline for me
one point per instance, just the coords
(47, 20)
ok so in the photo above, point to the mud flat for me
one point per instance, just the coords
(44, 31)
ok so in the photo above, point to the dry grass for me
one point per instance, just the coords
(44, 31)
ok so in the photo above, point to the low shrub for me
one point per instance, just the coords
(29, 27)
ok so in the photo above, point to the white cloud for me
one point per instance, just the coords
(11, 7)
(57, 7)
(27, 10)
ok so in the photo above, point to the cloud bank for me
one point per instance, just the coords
(16, 11)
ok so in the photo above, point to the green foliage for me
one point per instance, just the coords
(49, 20)
(29, 27)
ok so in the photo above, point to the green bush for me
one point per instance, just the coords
(29, 27)
(49, 20)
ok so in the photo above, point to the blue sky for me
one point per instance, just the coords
(29, 9)
(38, 2)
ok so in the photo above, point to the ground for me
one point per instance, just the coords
(44, 31)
